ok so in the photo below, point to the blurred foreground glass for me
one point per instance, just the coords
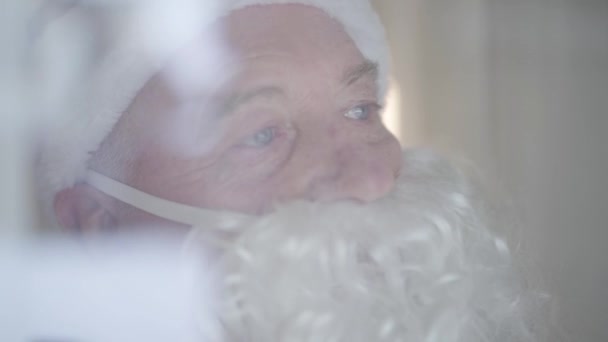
(54, 288)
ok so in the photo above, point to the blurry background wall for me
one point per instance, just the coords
(520, 88)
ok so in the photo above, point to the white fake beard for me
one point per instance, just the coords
(417, 265)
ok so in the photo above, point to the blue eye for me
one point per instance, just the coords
(261, 138)
(359, 113)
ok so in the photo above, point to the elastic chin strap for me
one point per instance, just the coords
(177, 212)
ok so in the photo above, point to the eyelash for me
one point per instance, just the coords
(270, 133)
(266, 134)
(369, 109)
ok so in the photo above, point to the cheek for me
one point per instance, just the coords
(231, 187)
(247, 199)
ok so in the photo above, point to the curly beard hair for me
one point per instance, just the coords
(420, 264)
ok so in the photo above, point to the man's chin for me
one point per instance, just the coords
(418, 264)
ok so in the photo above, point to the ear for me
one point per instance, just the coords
(84, 210)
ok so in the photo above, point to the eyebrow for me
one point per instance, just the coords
(350, 76)
(367, 68)
(234, 101)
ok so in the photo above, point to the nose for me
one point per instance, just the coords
(359, 172)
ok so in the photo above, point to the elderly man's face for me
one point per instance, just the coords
(299, 119)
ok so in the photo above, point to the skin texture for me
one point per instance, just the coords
(296, 118)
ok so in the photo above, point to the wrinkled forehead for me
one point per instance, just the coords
(291, 28)
(262, 43)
